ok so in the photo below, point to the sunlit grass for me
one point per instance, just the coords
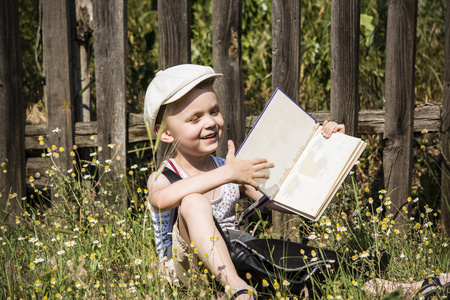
(82, 242)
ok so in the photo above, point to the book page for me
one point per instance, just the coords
(306, 189)
(280, 134)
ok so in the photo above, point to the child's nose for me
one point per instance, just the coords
(210, 121)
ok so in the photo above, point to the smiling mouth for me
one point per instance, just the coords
(210, 136)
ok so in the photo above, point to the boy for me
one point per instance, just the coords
(182, 108)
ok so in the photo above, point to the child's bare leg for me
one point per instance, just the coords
(196, 224)
(379, 286)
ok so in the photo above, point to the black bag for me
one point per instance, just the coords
(281, 261)
(276, 260)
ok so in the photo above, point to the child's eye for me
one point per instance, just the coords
(215, 112)
(193, 119)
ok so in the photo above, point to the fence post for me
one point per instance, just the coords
(174, 38)
(286, 37)
(345, 63)
(57, 66)
(445, 136)
(398, 132)
(227, 58)
(82, 27)
(110, 52)
(12, 116)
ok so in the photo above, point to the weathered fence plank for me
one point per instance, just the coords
(286, 37)
(174, 33)
(12, 115)
(400, 59)
(110, 51)
(57, 66)
(174, 42)
(227, 52)
(445, 137)
(345, 63)
(82, 27)
(427, 116)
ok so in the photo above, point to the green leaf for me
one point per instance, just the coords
(366, 21)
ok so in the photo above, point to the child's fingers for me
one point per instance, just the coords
(231, 149)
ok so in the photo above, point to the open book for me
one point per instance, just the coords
(309, 168)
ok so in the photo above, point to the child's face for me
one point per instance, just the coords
(196, 123)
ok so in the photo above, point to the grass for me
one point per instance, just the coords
(83, 242)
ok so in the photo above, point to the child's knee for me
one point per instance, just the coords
(195, 204)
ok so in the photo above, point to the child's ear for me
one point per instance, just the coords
(166, 137)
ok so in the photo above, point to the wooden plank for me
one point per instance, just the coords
(286, 36)
(82, 27)
(110, 52)
(445, 136)
(345, 63)
(12, 114)
(398, 131)
(174, 33)
(227, 57)
(426, 116)
(174, 42)
(286, 39)
(57, 65)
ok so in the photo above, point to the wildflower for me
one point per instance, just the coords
(365, 254)
(110, 146)
(354, 283)
(444, 245)
(312, 236)
(107, 169)
(379, 209)
(92, 137)
(430, 250)
(97, 284)
(137, 261)
(370, 200)
(39, 260)
(338, 237)
(38, 283)
(143, 169)
(92, 256)
(265, 283)
(32, 265)
(276, 285)
(70, 244)
(56, 130)
(58, 295)
(415, 200)
(130, 172)
(286, 283)
(60, 252)
(228, 289)
(53, 281)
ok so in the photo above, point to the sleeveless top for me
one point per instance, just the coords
(223, 210)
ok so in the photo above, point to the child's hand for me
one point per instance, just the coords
(328, 128)
(244, 171)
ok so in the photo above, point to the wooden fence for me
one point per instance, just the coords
(62, 64)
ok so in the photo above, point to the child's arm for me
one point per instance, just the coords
(165, 196)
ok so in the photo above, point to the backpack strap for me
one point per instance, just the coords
(173, 176)
(257, 205)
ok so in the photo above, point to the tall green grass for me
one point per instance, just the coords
(84, 243)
